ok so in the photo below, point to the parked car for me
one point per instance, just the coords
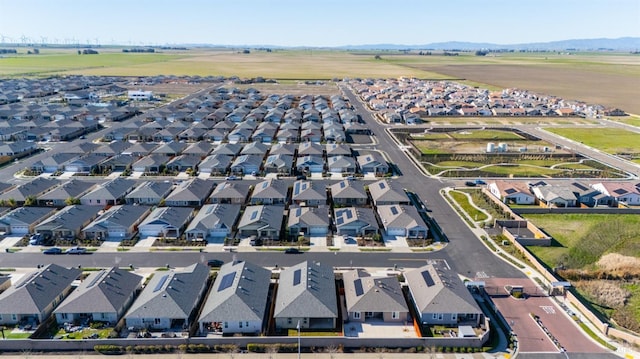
(470, 184)
(52, 250)
(301, 177)
(292, 250)
(215, 263)
(255, 242)
(35, 239)
(232, 178)
(76, 250)
(479, 181)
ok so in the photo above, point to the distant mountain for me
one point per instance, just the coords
(620, 44)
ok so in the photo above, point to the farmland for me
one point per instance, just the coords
(610, 140)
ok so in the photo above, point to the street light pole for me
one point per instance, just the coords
(298, 327)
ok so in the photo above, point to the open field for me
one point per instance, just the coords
(507, 121)
(633, 120)
(610, 140)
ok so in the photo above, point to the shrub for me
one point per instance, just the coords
(108, 349)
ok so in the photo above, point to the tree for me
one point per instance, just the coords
(71, 201)
(30, 201)
(12, 202)
(377, 57)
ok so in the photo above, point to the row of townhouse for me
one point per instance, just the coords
(219, 211)
(238, 300)
(409, 99)
(567, 194)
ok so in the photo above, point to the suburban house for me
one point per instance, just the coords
(619, 193)
(118, 222)
(68, 222)
(230, 192)
(374, 298)
(213, 220)
(270, 191)
(384, 192)
(246, 164)
(512, 192)
(109, 193)
(103, 296)
(310, 149)
(280, 164)
(402, 220)
(183, 163)
(166, 222)
(237, 302)
(306, 297)
(23, 220)
(227, 149)
(555, 195)
(337, 149)
(283, 149)
(372, 163)
(255, 148)
(440, 297)
(355, 221)
(310, 164)
(170, 299)
(53, 163)
(170, 149)
(36, 295)
(308, 221)
(199, 149)
(68, 191)
(153, 163)
(588, 196)
(308, 193)
(348, 193)
(149, 193)
(261, 221)
(32, 189)
(341, 164)
(215, 164)
(89, 163)
(191, 193)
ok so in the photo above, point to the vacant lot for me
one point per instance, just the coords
(610, 140)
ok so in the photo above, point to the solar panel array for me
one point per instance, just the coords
(394, 210)
(427, 278)
(358, 286)
(161, 283)
(297, 276)
(226, 281)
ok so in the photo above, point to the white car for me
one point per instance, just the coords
(76, 250)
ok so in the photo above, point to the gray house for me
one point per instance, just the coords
(384, 192)
(355, 221)
(118, 222)
(280, 164)
(215, 164)
(308, 193)
(306, 297)
(72, 189)
(310, 164)
(103, 296)
(23, 220)
(169, 300)
(230, 192)
(68, 222)
(374, 298)
(348, 193)
(191, 193)
(149, 193)
(247, 164)
(166, 222)
(213, 220)
(270, 191)
(341, 164)
(261, 221)
(402, 220)
(36, 295)
(237, 302)
(373, 163)
(109, 193)
(308, 221)
(31, 189)
(440, 297)
(152, 163)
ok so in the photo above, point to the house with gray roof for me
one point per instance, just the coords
(280, 164)
(282, 149)
(306, 297)
(109, 193)
(166, 222)
(113, 148)
(310, 164)
(72, 189)
(308, 193)
(23, 220)
(372, 163)
(310, 149)
(215, 165)
(440, 297)
(247, 164)
(555, 195)
(355, 221)
(348, 193)
(337, 149)
(237, 302)
(171, 148)
(51, 164)
(341, 164)
(213, 220)
(308, 221)
(200, 149)
(227, 149)
(152, 163)
(140, 149)
(149, 193)
(376, 298)
(169, 300)
(85, 164)
(32, 189)
(117, 223)
(17, 149)
(402, 220)
(385, 192)
(68, 222)
(103, 296)
(36, 295)
(230, 192)
(270, 191)
(183, 163)
(190, 193)
(261, 221)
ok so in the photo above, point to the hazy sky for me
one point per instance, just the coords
(316, 23)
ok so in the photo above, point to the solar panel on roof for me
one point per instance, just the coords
(349, 215)
(358, 286)
(510, 191)
(162, 281)
(394, 210)
(226, 281)
(579, 185)
(96, 279)
(298, 212)
(254, 215)
(297, 274)
(342, 184)
(427, 278)
(340, 220)
(265, 185)
(382, 185)
(620, 191)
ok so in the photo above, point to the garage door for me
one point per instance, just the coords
(347, 232)
(117, 234)
(318, 230)
(19, 229)
(396, 232)
(150, 231)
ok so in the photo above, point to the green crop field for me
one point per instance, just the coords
(610, 140)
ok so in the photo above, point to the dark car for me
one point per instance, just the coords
(301, 177)
(292, 250)
(479, 181)
(215, 263)
(470, 184)
(52, 250)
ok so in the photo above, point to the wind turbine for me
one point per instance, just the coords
(44, 40)
(24, 40)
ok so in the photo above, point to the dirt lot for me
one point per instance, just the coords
(609, 89)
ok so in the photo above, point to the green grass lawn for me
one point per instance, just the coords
(629, 120)
(11, 335)
(463, 201)
(485, 135)
(610, 140)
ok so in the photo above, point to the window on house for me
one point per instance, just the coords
(14, 317)
(156, 321)
(289, 321)
(434, 316)
(240, 324)
(454, 316)
(226, 325)
(356, 315)
(395, 315)
(440, 316)
(65, 316)
(246, 324)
